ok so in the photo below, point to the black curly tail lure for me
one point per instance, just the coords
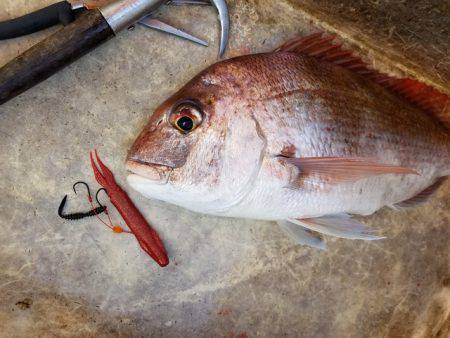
(80, 215)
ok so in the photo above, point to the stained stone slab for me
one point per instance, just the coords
(228, 277)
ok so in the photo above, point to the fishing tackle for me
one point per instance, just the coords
(147, 237)
(80, 215)
(115, 228)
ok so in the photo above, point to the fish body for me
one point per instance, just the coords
(283, 136)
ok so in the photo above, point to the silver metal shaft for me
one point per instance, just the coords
(124, 13)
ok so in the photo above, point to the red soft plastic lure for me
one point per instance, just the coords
(147, 237)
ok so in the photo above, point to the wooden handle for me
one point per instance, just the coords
(54, 53)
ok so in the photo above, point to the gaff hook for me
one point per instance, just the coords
(224, 18)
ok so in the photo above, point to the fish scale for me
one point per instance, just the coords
(294, 139)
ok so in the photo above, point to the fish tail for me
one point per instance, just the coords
(321, 47)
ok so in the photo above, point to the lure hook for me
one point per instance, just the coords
(95, 211)
(115, 228)
(78, 215)
(87, 188)
(96, 195)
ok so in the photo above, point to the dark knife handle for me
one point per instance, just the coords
(60, 12)
(54, 53)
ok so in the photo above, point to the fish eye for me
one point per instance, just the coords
(186, 117)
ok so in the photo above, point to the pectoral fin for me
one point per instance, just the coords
(302, 235)
(339, 225)
(338, 170)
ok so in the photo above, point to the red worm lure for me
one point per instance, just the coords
(148, 238)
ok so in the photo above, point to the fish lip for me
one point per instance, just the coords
(155, 172)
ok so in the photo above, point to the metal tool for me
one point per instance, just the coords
(87, 24)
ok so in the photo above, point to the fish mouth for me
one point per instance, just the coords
(151, 171)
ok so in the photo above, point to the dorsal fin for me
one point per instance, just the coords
(321, 47)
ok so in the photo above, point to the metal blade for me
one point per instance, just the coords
(150, 22)
(190, 2)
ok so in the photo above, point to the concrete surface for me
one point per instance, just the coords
(228, 277)
(407, 37)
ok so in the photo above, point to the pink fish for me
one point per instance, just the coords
(306, 136)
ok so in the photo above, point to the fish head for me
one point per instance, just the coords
(201, 148)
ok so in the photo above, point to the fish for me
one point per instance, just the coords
(307, 136)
